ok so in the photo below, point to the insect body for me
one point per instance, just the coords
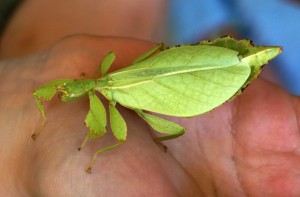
(179, 81)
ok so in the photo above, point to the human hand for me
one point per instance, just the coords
(248, 146)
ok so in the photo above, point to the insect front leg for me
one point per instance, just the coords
(105, 64)
(163, 126)
(158, 47)
(95, 120)
(46, 92)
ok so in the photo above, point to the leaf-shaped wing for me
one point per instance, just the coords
(183, 81)
(188, 80)
(184, 94)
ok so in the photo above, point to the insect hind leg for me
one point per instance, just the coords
(170, 129)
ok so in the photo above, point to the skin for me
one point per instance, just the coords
(246, 147)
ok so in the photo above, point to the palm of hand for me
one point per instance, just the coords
(248, 146)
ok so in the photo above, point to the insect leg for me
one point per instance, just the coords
(46, 92)
(119, 129)
(169, 128)
(95, 120)
(158, 47)
(117, 123)
(89, 168)
(105, 64)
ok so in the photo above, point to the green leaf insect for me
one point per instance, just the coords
(180, 81)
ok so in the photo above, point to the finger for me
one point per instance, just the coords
(267, 141)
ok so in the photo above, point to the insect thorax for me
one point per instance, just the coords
(75, 89)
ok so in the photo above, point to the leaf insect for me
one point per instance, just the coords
(180, 81)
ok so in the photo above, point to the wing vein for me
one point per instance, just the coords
(176, 92)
